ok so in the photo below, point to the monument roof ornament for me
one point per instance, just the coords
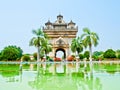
(59, 16)
(71, 22)
(59, 21)
(48, 23)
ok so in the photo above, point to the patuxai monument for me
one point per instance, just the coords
(60, 35)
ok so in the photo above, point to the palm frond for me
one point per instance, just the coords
(34, 32)
(83, 35)
(86, 30)
(31, 43)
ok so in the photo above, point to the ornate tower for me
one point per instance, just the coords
(60, 35)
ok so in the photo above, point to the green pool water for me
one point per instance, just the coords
(60, 76)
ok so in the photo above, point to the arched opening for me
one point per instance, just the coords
(60, 53)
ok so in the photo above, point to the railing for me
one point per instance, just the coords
(64, 62)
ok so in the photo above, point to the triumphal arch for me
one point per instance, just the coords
(60, 35)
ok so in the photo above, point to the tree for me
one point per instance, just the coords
(76, 45)
(86, 54)
(11, 53)
(20, 51)
(36, 41)
(46, 47)
(89, 39)
(1, 56)
(109, 54)
(118, 51)
(118, 54)
(98, 55)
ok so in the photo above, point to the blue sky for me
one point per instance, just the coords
(19, 17)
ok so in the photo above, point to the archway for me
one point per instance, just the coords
(60, 53)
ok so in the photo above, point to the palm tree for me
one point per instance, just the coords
(76, 45)
(36, 41)
(46, 47)
(80, 43)
(89, 39)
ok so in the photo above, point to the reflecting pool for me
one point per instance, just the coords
(60, 76)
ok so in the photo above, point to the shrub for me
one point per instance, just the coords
(101, 57)
(81, 56)
(71, 58)
(98, 55)
(48, 58)
(1, 58)
(109, 54)
(95, 57)
(25, 57)
(35, 56)
(118, 56)
(57, 59)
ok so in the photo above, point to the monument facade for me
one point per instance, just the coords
(60, 35)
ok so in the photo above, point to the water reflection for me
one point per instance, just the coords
(59, 76)
(68, 76)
